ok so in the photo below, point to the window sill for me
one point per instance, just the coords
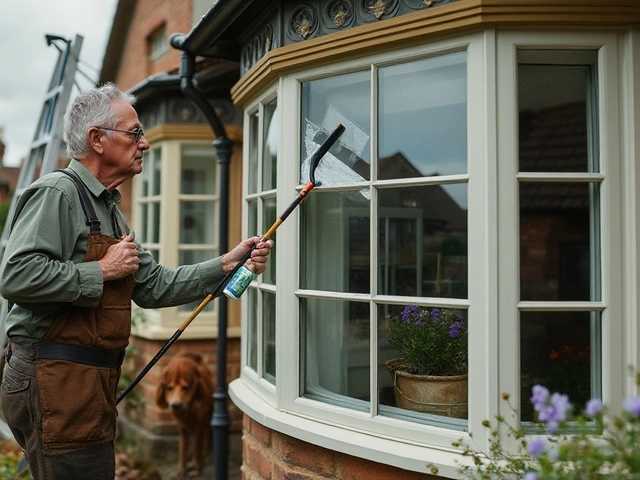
(389, 451)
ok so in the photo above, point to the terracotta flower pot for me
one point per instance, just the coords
(437, 395)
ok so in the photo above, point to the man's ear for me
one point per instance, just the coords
(95, 137)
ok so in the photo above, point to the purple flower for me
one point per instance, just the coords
(594, 407)
(554, 411)
(436, 314)
(540, 396)
(454, 329)
(409, 312)
(536, 447)
(632, 405)
(530, 476)
(418, 323)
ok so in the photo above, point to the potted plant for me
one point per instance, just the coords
(430, 374)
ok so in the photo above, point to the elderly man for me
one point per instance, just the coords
(71, 268)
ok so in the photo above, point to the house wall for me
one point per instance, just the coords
(270, 454)
(135, 65)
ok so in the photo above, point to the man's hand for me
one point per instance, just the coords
(120, 260)
(259, 256)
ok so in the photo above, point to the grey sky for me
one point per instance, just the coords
(27, 62)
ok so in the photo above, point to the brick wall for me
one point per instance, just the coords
(146, 414)
(135, 64)
(267, 454)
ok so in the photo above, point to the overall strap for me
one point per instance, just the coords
(87, 206)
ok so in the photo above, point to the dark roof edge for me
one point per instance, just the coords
(212, 24)
(159, 82)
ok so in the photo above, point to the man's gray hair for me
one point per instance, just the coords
(92, 108)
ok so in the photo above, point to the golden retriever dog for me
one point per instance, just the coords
(187, 388)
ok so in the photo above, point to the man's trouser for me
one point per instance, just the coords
(19, 400)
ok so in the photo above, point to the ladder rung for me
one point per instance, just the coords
(40, 141)
(53, 92)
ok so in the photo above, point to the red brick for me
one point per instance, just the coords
(261, 433)
(306, 455)
(258, 458)
(354, 468)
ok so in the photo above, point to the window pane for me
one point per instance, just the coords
(422, 241)
(252, 218)
(556, 107)
(146, 172)
(198, 220)
(270, 146)
(142, 225)
(335, 352)
(155, 223)
(422, 122)
(252, 328)
(253, 153)
(559, 241)
(198, 175)
(417, 342)
(335, 242)
(157, 172)
(327, 102)
(269, 347)
(270, 217)
(561, 351)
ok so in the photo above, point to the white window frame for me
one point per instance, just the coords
(493, 254)
(606, 44)
(162, 323)
(260, 385)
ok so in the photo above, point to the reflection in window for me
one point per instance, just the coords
(561, 351)
(335, 242)
(422, 241)
(269, 341)
(270, 148)
(416, 223)
(325, 104)
(556, 241)
(560, 240)
(335, 352)
(422, 122)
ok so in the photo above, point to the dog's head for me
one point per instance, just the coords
(182, 381)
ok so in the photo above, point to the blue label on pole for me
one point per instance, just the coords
(239, 283)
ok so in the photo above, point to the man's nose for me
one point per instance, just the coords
(143, 144)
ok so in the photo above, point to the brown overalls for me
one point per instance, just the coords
(70, 432)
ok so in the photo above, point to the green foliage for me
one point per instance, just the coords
(10, 455)
(431, 341)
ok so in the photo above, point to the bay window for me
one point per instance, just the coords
(176, 215)
(481, 174)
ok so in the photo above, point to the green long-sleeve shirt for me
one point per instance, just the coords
(43, 266)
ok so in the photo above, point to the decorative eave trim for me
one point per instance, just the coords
(417, 27)
(177, 131)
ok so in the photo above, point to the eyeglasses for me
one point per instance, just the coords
(137, 132)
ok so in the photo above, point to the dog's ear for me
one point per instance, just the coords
(161, 399)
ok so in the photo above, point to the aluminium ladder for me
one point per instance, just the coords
(45, 149)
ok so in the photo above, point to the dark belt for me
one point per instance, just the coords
(67, 351)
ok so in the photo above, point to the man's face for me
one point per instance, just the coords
(122, 154)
